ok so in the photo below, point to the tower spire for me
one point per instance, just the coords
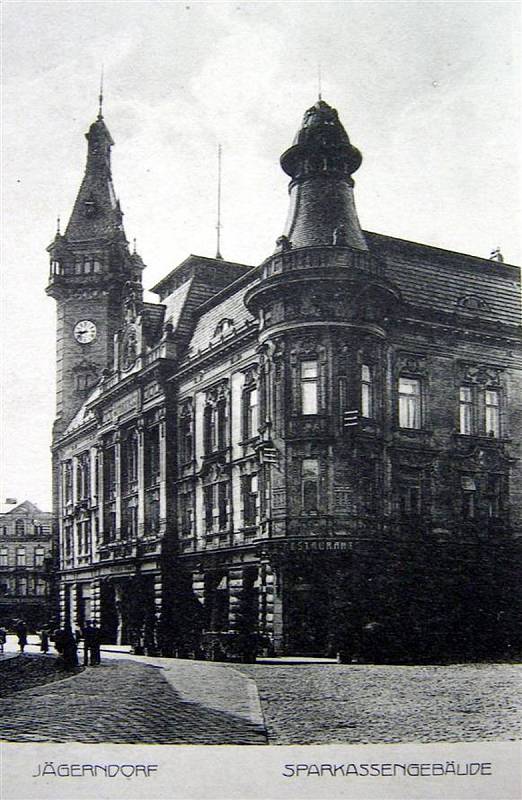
(319, 87)
(218, 225)
(100, 96)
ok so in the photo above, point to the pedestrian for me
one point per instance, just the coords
(95, 645)
(44, 640)
(21, 632)
(3, 638)
(88, 643)
(70, 648)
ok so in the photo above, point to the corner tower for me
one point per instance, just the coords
(321, 162)
(90, 264)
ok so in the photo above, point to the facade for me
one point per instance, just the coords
(26, 561)
(232, 463)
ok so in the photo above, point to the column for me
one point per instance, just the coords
(117, 472)
(96, 602)
(163, 472)
(235, 589)
(198, 585)
(140, 427)
(158, 607)
(99, 490)
(275, 605)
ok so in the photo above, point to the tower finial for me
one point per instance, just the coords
(319, 92)
(218, 225)
(134, 246)
(100, 96)
(58, 225)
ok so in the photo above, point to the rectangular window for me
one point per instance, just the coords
(21, 586)
(152, 511)
(185, 513)
(366, 391)
(39, 557)
(409, 403)
(494, 496)
(152, 456)
(465, 410)
(3, 557)
(492, 408)
(222, 491)
(309, 387)
(20, 557)
(221, 413)
(410, 500)
(39, 587)
(249, 493)
(310, 485)
(208, 501)
(109, 474)
(250, 399)
(469, 491)
(185, 439)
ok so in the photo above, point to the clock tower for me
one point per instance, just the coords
(91, 269)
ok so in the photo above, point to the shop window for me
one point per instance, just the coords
(367, 400)
(410, 403)
(309, 387)
(310, 485)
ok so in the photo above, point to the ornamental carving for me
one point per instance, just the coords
(413, 363)
(473, 302)
(480, 374)
(129, 347)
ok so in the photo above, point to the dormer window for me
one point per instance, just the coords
(225, 326)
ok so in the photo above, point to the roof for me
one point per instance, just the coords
(24, 507)
(233, 268)
(83, 414)
(442, 280)
(232, 308)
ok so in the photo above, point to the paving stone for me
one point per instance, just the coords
(359, 704)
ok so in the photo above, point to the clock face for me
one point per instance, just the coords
(85, 331)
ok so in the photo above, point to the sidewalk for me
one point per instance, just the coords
(139, 699)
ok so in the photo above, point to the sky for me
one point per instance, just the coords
(428, 91)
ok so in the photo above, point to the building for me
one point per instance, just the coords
(244, 458)
(26, 561)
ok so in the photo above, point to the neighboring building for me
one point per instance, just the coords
(25, 564)
(235, 458)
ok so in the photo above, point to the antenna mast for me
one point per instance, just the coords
(319, 80)
(100, 96)
(218, 226)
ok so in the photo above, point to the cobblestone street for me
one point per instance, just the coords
(135, 699)
(130, 700)
(360, 704)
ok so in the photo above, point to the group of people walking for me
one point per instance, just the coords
(65, 642)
